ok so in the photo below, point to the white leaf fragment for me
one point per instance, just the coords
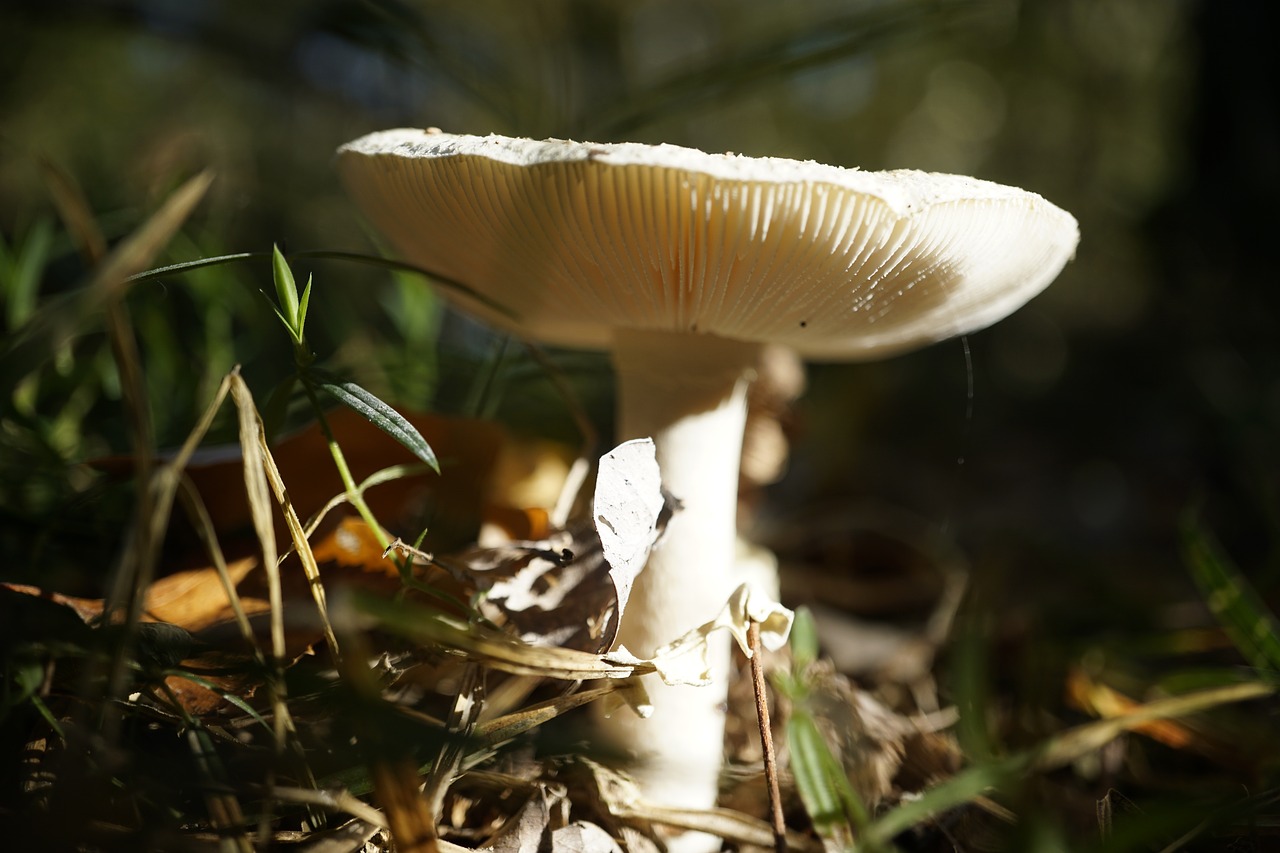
(628, 500)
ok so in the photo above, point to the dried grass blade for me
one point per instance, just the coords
(725, 823)
(301, 543)
(1066, 747)
(340, 800)
(377, 478)
(59, 320)
(55, 325)
(74, 211)
(493, 648)
(258, 494)
(1080, 740)
(517, 723)
(462, 725)
(225, 814)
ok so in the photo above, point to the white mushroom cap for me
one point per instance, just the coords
(578, 239)
(685, 264)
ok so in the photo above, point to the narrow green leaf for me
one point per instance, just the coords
(302, 308)
(971, 685)
(810, 768)
(804, 640)
(376, 412)
(30, 256)
(283, 320)
(26, 676)
(851, 805)
(286, 291)
(1234, 602)
(198, 264)
(29, 677)
(49, 718)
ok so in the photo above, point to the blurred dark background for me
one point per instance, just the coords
(1144, 383)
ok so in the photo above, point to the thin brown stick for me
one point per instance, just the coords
(766, 739)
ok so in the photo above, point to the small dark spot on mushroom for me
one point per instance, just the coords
(804, 324)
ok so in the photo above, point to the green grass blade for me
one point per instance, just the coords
(20, 277)
(835, 808)
(1234, 602)
(957, 790)
(327, 255)
(199, 263)
(819, 798)
(804, 640)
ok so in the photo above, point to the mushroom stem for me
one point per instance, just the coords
(688, 392)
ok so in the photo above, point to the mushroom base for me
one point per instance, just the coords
(688, 392)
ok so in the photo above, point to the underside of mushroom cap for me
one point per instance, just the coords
(579, 239)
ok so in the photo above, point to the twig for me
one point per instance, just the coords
(766, 739)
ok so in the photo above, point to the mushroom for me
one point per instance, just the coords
(684, 264)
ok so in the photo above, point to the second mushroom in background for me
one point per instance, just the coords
(684, 265)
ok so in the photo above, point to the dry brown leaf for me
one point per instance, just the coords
(529, 830)
(1218, 745)
(86, 608)
(195, 599)
(1081, 740)
(352, 545)
(192, 599)
(466, 448)
(1098, 699)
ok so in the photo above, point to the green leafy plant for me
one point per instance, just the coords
(291, 308)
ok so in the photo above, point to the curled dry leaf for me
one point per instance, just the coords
(687, 660)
